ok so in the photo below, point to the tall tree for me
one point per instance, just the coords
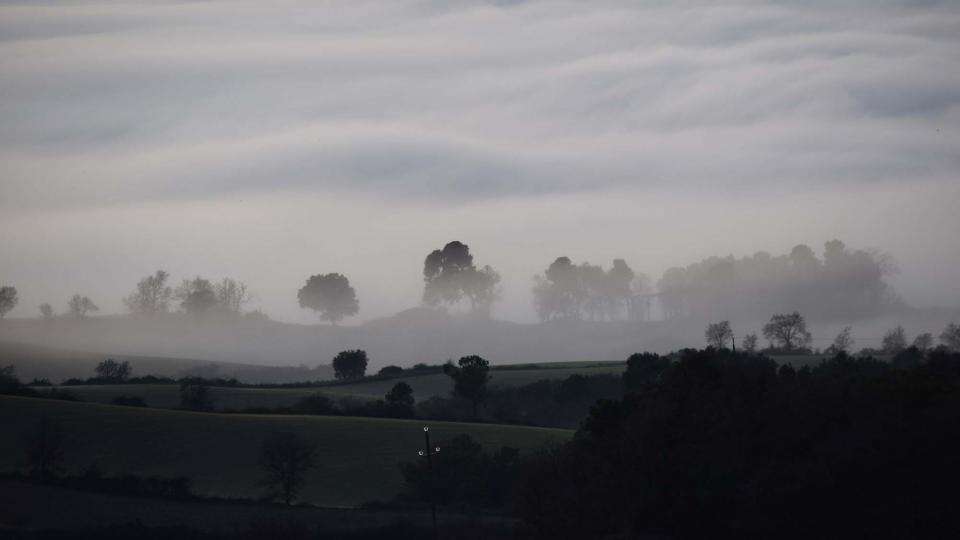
(350, 364)
(286, 457)
(330, 295)
(719, 334)
(450, 275)
(787, 331)
(843, 342)
(470, 378)
(79, 306)
(232, 295)
(152, 295)
(8, 299)
(894, 341)
(197, 296)
(113, 371)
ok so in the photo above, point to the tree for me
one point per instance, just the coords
(330, 295)
(787, 332)
(842, 342)
(923, 342)
(400, 394)
(113, 371)
(450, 275)
(350, 364)
(152, 295)
(45, 450)
(719, 334)
(8, 299)
(195, 395)
(46, 311)
(750, 343)
(470, 379)
(79, 306)
(231, 296)
(894, 341)
(286, 457)
(950, 337)
(390, 371)
(197, 296)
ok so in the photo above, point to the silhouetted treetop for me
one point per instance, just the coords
(8, 299)
(450, 275)
(330, 295)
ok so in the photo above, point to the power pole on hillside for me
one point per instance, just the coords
(428, 451)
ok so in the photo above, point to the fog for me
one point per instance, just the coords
(268, 142)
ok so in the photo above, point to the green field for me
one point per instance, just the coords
(424, 386)
(359, 456)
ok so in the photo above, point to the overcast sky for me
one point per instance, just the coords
(268, 141)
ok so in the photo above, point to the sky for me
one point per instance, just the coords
(268, 141)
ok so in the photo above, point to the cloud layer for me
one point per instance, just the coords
(410, 108)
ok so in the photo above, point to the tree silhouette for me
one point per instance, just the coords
(749, 343)
(400, 394)
(152, 295)
(950, 337)
(450, 275)
(843, 342)
(197, 296)
(8, 299)
(79, 306)
(231, 296)
(45, 450)
(46, 311)
(923, 342)
(330, 295)
(787, 331)
(719, 334)
(113, 371)
(286, 457)
(894, 341)
(350, 364)
(470, 378)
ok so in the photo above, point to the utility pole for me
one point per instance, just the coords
(428, 451)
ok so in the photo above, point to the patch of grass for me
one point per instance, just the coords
(358, 456)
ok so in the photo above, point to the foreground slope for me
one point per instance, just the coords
(358, 456)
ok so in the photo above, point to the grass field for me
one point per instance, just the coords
(359, 456)
(424, 386)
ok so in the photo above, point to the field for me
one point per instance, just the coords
(359, 456)
(424, 386)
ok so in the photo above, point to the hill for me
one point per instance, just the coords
(359, 456)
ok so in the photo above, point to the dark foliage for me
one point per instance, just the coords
(285, 458)
(350, 364)
(726, 445)
(129, 401)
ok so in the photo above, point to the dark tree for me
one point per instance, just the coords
(286, 457)
(400, 394)
(79, 306)
(113, 371)
(750, 342)
(197, 296)
(787, 332)
(152, 295)
(894, 341)
(450, 275)
(231, 296)
(643, 371)
(350, 364)
(923, 342)
(470, 378)
(330, 295)
(45, 450)
(195, 395)
(719, 334)
(950, 337)
(390, 371)
(8, 299)
(843, 342)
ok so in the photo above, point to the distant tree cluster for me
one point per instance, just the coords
(200, 297)
(450, 276)
(8, 299)
(844, 283)
(570, 291)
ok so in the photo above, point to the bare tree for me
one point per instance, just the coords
(286, 457)
(79, 306)
(894, 340)
(923, 342)
(111, 370)
(787, 331)
(232, 295)
(843, 342)
(750, 343)
(152, 295)
(719, 334)
(950, 337)
(8, 299)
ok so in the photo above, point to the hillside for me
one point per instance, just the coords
(359, 456)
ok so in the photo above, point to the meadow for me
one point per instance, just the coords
(359, 457)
